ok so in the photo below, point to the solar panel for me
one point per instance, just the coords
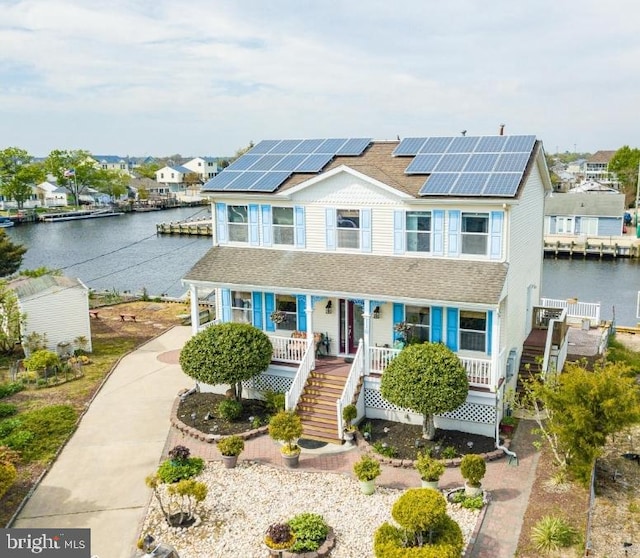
(502, 184)
(511, 162)
(290, 162)
(270, 181)
(452, 162)
(491, 144)
(220, 181)
(267, 162)
(463, 144)
(423, 164)
(264, 147)
(245, 180)
(439, 183)
(314, 162)
(469, 184)
(244, 163)
(481, 162)
(409, 146)
(308, 146)
(331, 145)
(435, 145)
(286, 146)
(519, 144)
(354, 147)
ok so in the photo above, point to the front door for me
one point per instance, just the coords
(351, 326)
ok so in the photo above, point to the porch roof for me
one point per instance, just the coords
(377, 277)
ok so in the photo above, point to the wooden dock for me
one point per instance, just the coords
(609, 247)
(190, 228)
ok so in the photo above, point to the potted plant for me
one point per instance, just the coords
(230, 447)
(277, 316)
(367, 469)
(286, 427)
(508, 424)
(473, 469)
(430, 470)
(278, 538)
(349, 413)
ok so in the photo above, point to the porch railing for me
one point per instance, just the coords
(300, 380)
(556, 336)
(575, 309)
(349, 391)
(478, 369)
(288, 349)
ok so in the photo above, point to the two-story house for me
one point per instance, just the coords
(328, 245)
(205, 167)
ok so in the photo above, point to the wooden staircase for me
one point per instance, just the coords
(532, 352)
(317, 404)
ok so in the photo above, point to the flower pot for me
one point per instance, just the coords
(229, 461)
(368, 487)
(291, 460)
(472, 491)
(349, 436)
(429, 484)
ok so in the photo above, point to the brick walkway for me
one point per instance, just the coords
(508, 485)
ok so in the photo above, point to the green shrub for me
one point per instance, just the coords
(473, 469)
(7, 410)
(449, 453)
(50, 426)
(8, 475)
(10, 388)
(41, 360)
(273, 400)
(428, 468)
(171, 471)
(552, 533)
(468, 502)
(383, 449)
(419, 510)
(310, 530)
(18, 439)
(229, 410)
(7, 426)
(367, 468)
(230, 445)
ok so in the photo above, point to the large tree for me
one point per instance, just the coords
(625, 164)
(76, 170)
(10, 255)
(19, 174)
(227, 353)
(426, 378)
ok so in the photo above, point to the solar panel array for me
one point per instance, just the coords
(468, 165)
(267, 165)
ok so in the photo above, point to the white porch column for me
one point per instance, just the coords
(495, 349)
(310, 339)
(195, 309)
(367, 326)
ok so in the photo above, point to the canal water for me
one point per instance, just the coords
(125, 254)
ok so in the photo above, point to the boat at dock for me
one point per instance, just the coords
(5, 223)
(77, 215)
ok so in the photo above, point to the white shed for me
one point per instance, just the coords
(55, 306)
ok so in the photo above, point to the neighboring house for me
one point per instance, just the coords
(596, 168)
(55, 306)
(586, 210)
(205, 167)
(113, 163)
(52, 195)
(173, 177)
(346, 239)
(31, 203)
(153, 189)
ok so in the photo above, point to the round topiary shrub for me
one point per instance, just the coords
(473, 469)
(419, 510)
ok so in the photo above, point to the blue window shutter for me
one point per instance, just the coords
(331, 228)
(299, 226)
(266, 225)
(301, 309)
(497, 219)
(489, 330)
(452, 329)
(438, 232)
(226, 305)
(436, 324)
(454, 232)
(254, 232)
(398, 316)
(221, 223)
(365, 230)
(256, 303)
(269, 306)
(398, 232)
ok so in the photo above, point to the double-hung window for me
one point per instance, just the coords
(475, 233)
(287, 305)
(238, 223)
(473, 330)
(241, 306)
(418, 317)
(348, 228)
(282, 221)
(418, 231)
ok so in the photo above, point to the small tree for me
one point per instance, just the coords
(428, 379)
(10, 317)
(227, 353)
(10, 255)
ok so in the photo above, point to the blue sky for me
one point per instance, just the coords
(202, 77)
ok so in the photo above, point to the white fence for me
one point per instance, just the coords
(576, 310)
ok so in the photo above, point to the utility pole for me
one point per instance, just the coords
(637, 199)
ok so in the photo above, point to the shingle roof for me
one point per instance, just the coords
(605, 204)
(353, 275)
(601, 157)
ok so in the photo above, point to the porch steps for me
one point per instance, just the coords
(532, 352)
(317, 404)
